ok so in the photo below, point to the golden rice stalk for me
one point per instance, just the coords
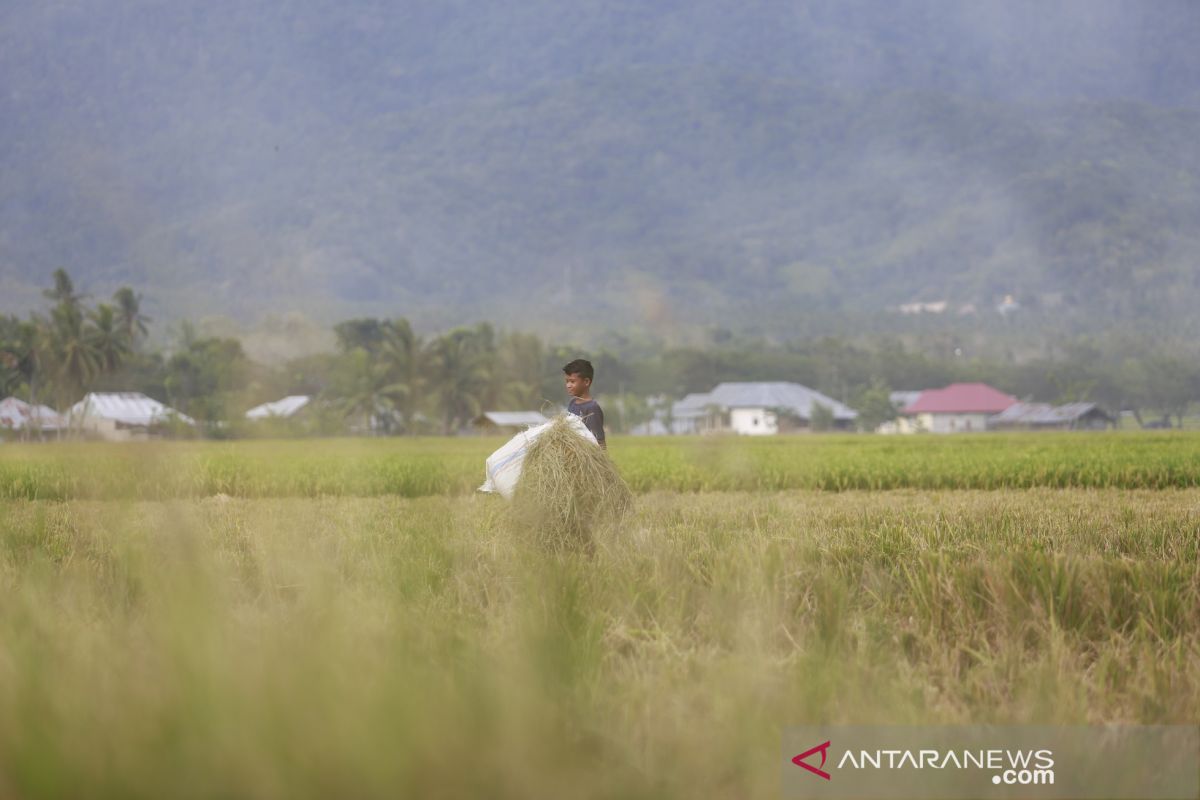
(568, 489)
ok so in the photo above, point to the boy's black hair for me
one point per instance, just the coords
(581, 367)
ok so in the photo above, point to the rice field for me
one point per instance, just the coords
(346, 618)
(421, 467)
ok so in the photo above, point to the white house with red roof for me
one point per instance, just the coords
(957, 408)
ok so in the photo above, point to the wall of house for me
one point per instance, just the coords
(899, 425)
(753, 421)
(953, 423)
(113, 431)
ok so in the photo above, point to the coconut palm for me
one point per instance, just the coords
(63, 292)
(362, 389)
(518, 382)
(398, 362)
(72, 355)
(108, 338)
(459, 375)
(129, 315)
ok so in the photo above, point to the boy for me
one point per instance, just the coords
(578, 377)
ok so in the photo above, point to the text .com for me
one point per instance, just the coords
(1024, 777)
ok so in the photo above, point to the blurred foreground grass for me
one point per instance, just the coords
(422, 467)
(357, 647)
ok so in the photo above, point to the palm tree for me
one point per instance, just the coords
(519, 379)
(398, 362)
(108, 338)
(362, 389)
(10, 372)
(129, 314)
(74, 358)
(459, 375)
(63, 292)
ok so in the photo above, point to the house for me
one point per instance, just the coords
(756, 409)
(280, 409)
(17, 415)
(122, 416)
(957, 408)
(1043, 416)
(509, 422)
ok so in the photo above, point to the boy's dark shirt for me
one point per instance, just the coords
(593, 416)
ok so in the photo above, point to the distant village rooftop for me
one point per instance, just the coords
(17, 415)
(778, 394)
(285, 407)
(961, 398)
(132, 409)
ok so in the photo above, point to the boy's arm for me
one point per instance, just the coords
(598, 421)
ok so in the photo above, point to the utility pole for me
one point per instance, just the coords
(621, 406)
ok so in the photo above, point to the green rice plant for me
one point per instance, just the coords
(421, 467)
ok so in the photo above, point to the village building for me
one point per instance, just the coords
(284, 408)
(957, 408)
(1043, 416)
(17, 416)
(509, 422)
(756, 409)
(122, 416)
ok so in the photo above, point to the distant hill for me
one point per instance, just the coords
(756, 165)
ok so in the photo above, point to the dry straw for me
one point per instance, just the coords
(568, 490)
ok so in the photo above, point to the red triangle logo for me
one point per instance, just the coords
(799, 760)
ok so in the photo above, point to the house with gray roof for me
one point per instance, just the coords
(757, 409)
(18, 416)
(121, 416)
(510, 422)
(1043, 416)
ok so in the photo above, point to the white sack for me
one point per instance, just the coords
(503, 467)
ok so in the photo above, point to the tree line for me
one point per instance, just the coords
(385, 378)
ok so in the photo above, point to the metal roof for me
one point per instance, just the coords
(512, 419)
(279, 408)
(1073, 411)
(902, 400)
(1043, 413)
(1022, 412)
(692, 405)
(16, 414)
(961, 398)
(736, 394)
(128, 408)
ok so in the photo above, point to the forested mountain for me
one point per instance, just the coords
(772, 166)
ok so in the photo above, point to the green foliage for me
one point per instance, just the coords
(201, 378)
(384, 378)
(822, 418)
(874, 407)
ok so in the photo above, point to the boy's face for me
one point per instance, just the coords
(577, 385)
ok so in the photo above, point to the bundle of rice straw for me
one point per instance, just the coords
(568, 489)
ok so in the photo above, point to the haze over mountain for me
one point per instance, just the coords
(769, 165)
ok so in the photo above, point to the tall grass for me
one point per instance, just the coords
(425, 467)
(302, 647)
